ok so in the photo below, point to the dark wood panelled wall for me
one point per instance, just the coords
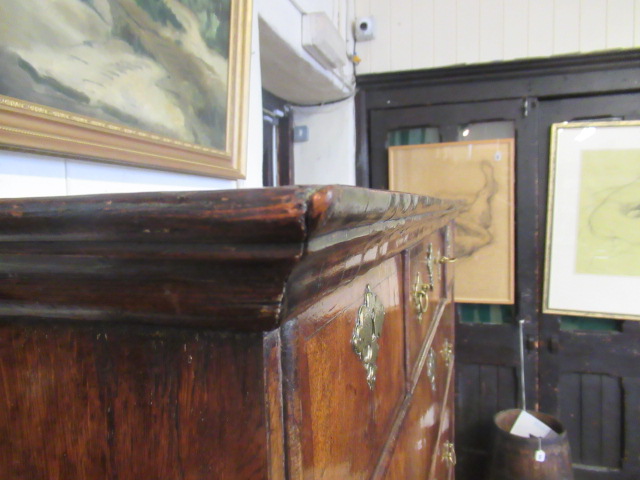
(585, 373)
(231, 335)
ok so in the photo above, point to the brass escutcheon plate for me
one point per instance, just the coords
(366, 333)
(449, 453)
(421, 290)
(447, 353)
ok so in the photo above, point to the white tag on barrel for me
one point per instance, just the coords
(540, 456)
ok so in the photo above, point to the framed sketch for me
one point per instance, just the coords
(478, 174)
(592, 261)
(155, 83)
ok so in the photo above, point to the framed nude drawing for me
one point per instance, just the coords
(155, 83)
(479, 175)
(592, 261)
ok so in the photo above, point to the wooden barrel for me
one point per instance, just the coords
(513, 457)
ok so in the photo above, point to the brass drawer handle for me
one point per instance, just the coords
(447, 353)
(421, 290)
(449, 454)
(448, 260)
(366, 332)
(421, 296)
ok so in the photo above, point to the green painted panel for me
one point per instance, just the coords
(414, 136)
(482, 313)
(588, 323)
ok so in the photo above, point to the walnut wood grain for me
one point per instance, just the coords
(410, 448)
(342, 423)
(440, 468)
(192, 336)
(116, 402)
(409, 457)
(218, 259)
(274, 404)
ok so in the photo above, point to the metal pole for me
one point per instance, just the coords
(523, 390)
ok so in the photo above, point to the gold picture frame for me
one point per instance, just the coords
(162, 85)
(592, 251)
(479, 175)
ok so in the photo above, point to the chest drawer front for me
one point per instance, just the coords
(443, 350)
(444, 460)
(344, 419)
(412, 453)
(425, 288)
(415, 448)
(444, 455)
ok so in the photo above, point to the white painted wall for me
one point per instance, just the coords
(418, 34)
(27, 175)
(411, 34)
(254, 132)
(319, 161)
(289, 71)
(33, 175)
(328, 156)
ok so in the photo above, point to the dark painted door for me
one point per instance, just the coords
(487, 355)
(590, 368)
(585, 372)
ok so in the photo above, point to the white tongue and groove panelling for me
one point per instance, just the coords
(29, 175)
(418, 34)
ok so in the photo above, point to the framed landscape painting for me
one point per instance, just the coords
(592, 261)
(154, 83)
(478, 175)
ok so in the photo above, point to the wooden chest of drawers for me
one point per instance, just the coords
(298, 333)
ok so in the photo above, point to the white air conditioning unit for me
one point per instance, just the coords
(321, 39)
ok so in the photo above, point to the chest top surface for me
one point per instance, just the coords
(240, 259)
